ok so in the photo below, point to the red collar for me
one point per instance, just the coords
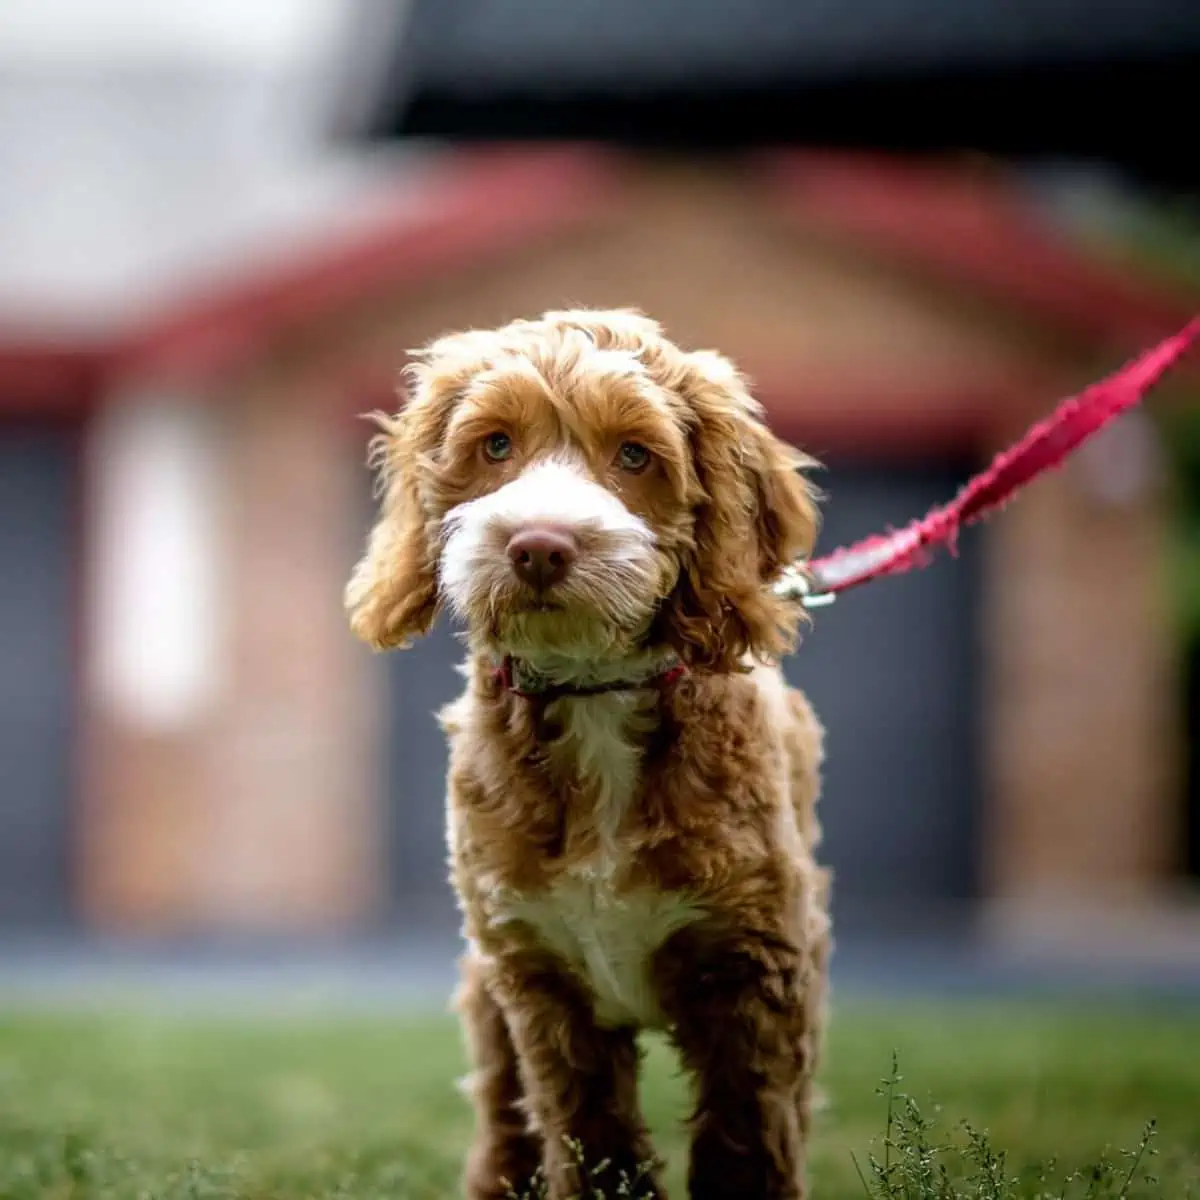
(521, 681)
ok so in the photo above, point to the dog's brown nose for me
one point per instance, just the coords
(542, 555)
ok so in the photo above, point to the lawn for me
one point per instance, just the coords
(161, 1108)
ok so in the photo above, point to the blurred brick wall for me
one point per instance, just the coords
(1084, 724)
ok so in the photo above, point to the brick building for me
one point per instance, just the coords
(193, 741)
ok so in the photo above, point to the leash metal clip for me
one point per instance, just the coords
(796, 584)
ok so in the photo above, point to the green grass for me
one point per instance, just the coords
(135, 1107)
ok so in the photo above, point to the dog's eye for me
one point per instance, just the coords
(633, 457)
(497, 447)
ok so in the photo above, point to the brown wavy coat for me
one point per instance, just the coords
(642, 857)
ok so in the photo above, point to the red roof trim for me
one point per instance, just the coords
(835, 431)
(894, 420)
(975, 231)
(46, 379)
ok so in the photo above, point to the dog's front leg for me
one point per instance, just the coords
(580, 1081)
(738, 1003)
(504, 1153)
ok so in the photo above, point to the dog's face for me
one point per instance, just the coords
(579, 488)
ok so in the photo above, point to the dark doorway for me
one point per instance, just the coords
(893, 671)
(37, 677)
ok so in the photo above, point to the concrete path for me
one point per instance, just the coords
(417, 972)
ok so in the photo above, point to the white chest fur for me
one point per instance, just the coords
(608, 939)
(599, 748)
(607, 934)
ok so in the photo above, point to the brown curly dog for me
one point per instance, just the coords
(632, 784)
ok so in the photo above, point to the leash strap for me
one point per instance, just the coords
(1043, 447)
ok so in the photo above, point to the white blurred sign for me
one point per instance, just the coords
(155, 579)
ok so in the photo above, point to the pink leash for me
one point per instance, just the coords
(1044, 447)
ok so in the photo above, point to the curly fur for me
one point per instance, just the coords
(637, 858)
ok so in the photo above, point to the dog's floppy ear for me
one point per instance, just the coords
(392, 595)
(757, 513)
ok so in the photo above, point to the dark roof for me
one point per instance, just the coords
(665, 43)
(1009, 76)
